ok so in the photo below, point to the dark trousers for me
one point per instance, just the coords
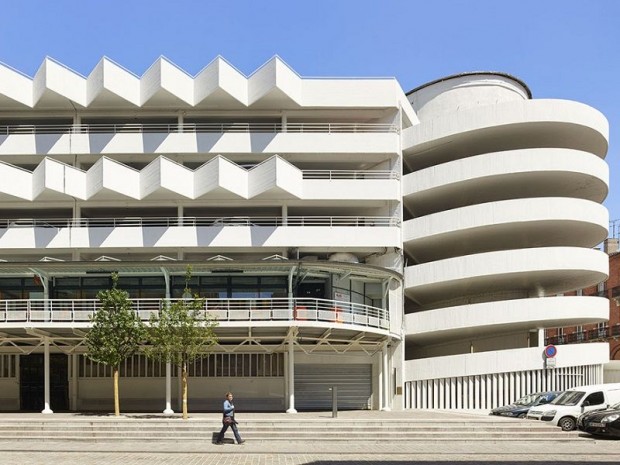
(220, 437)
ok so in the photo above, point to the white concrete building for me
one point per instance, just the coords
(407, 248)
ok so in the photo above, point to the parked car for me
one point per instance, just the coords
(520, 407)
(601, 422)
(564, 410)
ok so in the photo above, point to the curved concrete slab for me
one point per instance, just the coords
(476, 320)
(506, 175)
(510, 125)
(508, 224)
(537, 271)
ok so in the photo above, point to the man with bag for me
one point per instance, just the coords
(228, 419)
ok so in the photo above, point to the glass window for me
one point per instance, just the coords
(596, 398)
(569, 398)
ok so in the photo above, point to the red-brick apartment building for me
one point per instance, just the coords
(605, 331)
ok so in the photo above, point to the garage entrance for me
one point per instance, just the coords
(312, 383)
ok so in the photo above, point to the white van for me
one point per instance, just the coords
(565, 408)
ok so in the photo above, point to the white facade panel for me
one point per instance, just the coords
(63, 81)
(15, 86)
(270, 143)
(334, 238)
(16, 182)
(121, 179)
(109, 76)
(507, 361)
(220, 75)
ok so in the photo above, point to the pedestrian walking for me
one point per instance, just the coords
(228, 419)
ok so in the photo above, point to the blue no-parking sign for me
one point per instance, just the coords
(551, 351)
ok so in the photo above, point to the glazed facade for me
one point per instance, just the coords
(407, 248)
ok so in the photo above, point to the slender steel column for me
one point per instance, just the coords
(168, 410)
(385, 368)
(291, 378)
(46, 376)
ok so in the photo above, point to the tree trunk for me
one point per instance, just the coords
(117, 408)
(184, 387)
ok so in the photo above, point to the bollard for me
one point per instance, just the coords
(334, 390)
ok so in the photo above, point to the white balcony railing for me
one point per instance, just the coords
(211, 221)
(65, 311)
(218, 128)
(343, 175)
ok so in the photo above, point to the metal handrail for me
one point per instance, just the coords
(223, 310)
(350, 174)
(207, 221)
(329, 128)
(597, 334)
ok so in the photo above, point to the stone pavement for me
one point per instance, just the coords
(583, 450)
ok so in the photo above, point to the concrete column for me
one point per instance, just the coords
(46, 376)
(380, 382)
(385, 369)
(180, 121)
(284, 122)
(284, 215)
(286, 387)
(168, 410)
(180, 215)
(291, 378)
(77, 215)
(541, 338)
(291, 313)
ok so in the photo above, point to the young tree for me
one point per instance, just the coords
(181, 333)
(116, 332)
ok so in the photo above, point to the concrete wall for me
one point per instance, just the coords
(611, 372)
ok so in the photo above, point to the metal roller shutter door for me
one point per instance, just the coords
(312, 383)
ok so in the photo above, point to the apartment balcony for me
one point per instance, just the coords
(216, 138)
(265, 312)
(330, 232)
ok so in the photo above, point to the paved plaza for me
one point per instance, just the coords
(583, 449)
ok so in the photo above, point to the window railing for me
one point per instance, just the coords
(63, 311)
(208, 221)
(593, 335)
(218, 128)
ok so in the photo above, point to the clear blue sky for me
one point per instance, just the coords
(567, 49)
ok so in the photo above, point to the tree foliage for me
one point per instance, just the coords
(116, 332)
(181, 332)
